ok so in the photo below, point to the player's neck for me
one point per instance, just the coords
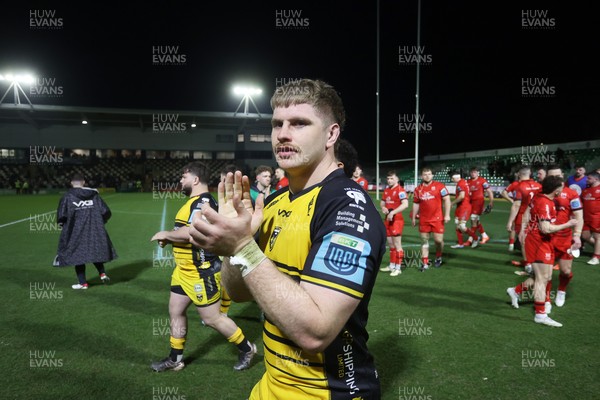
(300, 179)
(198, 190)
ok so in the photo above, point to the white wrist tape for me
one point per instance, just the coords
(248, 258)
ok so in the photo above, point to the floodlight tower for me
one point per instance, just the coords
(246, 92)
(15, 84)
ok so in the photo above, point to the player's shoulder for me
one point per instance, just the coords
(338, 188)
(570, 193)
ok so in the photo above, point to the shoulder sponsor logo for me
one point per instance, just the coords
(356, 196)
(443, 192)
(84, 203)
(343, 256)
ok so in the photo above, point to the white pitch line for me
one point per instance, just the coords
(159, 254)
(35, 216)
(25, 219)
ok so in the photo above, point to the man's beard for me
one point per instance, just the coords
(187, 190)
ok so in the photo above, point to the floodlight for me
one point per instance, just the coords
(15, 84)
(246, 92)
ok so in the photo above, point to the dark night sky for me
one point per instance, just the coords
(471, 91)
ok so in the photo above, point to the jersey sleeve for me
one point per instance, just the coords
(348, 241)
(416, 196)
(443, 191)
(575, 203)
(402, 195)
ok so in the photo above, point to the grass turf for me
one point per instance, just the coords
(447, 333)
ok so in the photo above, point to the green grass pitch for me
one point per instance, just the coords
(447, 333)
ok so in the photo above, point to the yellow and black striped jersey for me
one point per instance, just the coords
(187, 257)
(329, 235)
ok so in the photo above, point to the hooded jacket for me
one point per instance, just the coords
(83, 239)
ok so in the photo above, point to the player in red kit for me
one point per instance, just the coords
(539, 245)
(522, 196)
(509, 194)
(394, 201)
(282, 180)
(478, 185)
(427, 203)
(358, 178)
(590, 197)
(568, 205)
(462, 200)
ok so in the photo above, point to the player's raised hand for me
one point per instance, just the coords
(221, 235)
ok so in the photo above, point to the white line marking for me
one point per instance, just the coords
(159, 253)
(25, 219)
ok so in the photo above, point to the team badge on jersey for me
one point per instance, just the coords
(274, 236)
(343, 256)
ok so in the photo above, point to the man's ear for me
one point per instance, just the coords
(333, 135)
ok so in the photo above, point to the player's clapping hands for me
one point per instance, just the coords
(227, 231)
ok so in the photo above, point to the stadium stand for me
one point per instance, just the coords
(499, 166)
(122, 174)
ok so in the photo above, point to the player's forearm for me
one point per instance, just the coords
(403, 206)
(458, 199)
(181, 235)
(514, 209)
(291, 308)
(578, 214)
(547, 227)
(234, 283)
(491, 197)
(447, 207)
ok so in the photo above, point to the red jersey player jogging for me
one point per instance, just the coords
(427, 203)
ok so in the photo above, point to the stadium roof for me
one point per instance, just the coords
(40, 116)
